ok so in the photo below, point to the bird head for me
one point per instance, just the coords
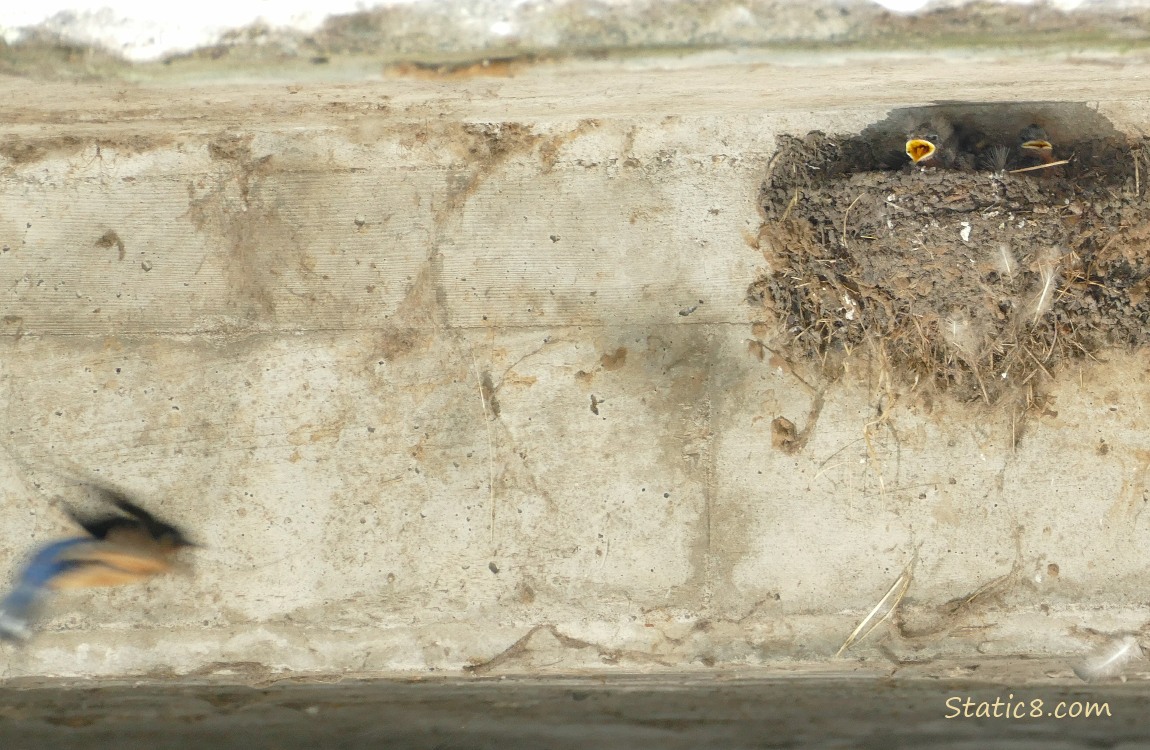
(931, 143)
(1033, 139)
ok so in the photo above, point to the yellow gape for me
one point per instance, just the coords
(1044, 150)
(919, 150)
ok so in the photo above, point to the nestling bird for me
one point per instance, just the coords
(1035, 146)
(931, 144)
(124, 547)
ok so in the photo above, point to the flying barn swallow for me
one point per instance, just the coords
(123, 547)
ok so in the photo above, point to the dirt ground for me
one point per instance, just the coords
(979, 276)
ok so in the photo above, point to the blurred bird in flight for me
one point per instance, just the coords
(127, 545)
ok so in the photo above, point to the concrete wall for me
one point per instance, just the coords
(354, 337)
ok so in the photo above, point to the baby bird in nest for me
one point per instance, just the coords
(1034, 146)
(932, 145)
(125, 545)
(1036, 154)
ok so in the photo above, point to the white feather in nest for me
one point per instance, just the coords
(1048, 283)
(1109, 661)
(1004, 262)
(996, 158)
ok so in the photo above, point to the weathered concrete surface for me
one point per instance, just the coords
(627, 712)
(427, 364)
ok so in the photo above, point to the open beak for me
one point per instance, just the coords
(919, 150)
(1044, 150)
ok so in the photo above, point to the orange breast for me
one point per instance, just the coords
(110, 564)
(93, 576)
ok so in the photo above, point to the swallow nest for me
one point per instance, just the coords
(981, 283)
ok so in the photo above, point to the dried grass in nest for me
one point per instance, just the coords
(992, 331)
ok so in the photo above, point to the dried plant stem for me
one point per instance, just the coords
(884, 609)
(847, 213)
(1040, 166)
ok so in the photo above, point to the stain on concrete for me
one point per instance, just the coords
(265, 262)
(111, 239)
(22, 151)
(482, 148)
(614, 360)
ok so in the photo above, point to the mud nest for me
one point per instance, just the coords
(980, 282)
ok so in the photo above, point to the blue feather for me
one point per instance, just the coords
(18, 607)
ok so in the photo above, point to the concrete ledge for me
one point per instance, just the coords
(629, 711)
(427, 365)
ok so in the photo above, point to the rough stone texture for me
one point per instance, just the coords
(461, 372)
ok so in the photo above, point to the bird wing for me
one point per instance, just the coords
(110, 526)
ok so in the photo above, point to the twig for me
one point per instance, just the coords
(1137, 176)
(1036, 361)
(520, 647)
(1040, 166)
(987, 589)
(490, 444)
(787, 212)
(847, 213)
(884, 609)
